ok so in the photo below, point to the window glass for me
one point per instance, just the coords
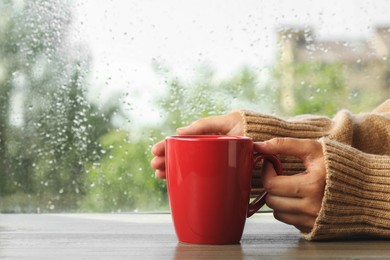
(86, 87)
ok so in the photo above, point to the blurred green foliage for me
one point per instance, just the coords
(64, 153)
(321, 89)
(122, 180)
(186, 101)
(48, 129)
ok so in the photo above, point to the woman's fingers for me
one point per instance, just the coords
(292, 205)
(158, 163)
(207, 125)
(296, 199)
(160, 174)
(300, 148)
(159, 148)
(231, 124)
(285, 186)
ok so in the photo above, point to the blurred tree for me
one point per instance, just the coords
(48, 130)
(123, 179)
(67, 137)
(316, 88)
(319, 88)
(186, 101)
(7, 49)
(120, 181)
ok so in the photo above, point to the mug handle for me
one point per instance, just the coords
(259, 201)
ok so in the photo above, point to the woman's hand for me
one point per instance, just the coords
(229, 124)
(296, 200)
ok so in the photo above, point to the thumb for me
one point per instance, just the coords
(207, 125)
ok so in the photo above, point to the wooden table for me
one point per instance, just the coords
(151, 236)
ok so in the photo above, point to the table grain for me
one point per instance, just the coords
(152, 236)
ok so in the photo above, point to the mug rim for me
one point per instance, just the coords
(212, 138)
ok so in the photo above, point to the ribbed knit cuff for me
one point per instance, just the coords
(261, 127)
(356, 201)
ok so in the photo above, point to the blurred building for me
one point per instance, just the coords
(365, 63)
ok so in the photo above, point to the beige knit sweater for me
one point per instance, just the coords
(357, 157)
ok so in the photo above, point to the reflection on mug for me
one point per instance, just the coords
(193, 251)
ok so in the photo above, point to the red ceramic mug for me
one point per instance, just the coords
(209, 184)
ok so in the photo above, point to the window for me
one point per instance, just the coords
(86, 87)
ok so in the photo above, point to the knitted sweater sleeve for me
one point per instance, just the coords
(357, 194)
(357, 157)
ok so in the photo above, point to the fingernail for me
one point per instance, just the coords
(180, 129)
